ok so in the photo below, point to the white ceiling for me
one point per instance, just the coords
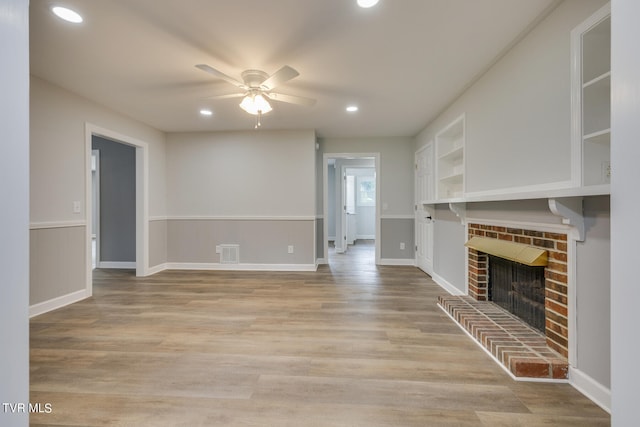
(402, 62)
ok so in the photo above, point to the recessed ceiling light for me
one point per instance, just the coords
(67, 14)
(367, 3)
(206, 112)
(352, 108)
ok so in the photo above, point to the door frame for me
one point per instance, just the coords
(142, 198)
(325, 196)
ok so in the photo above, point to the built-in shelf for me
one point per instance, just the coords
(606, 77)
(450, 144)
(591, 49)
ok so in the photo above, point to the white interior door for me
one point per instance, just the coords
(424, 213)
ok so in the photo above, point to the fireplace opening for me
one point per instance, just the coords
(519, 289)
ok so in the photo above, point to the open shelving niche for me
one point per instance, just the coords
(591, 50)
(450, 144)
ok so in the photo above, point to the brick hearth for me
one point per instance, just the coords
(518, 347)
(521, 349)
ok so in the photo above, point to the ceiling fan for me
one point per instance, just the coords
(257, 88)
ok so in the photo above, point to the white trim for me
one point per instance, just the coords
(142, 197)
(56, 224)
(518, 192)
(533, 226)
(238, 218)
(158, 218)
(398, 261)
(325, 195)
(239, 267)
(321, 261)
(156, 269)
(124, 265)
(504, 368)
(58, 302)
(399, 216)
(596, 392)
(577, 152)
(444, 284)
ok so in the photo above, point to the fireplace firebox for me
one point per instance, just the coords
(519, 289)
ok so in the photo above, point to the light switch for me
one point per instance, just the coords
(76, 207)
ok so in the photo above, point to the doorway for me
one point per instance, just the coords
(114, 203)
(139, 231)
(351, 207)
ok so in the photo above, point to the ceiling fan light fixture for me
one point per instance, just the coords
(352, 108)
(255, 103)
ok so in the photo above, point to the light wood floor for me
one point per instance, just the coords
(350, 345)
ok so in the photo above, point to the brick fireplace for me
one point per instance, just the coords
(523, 351)
(556, 323)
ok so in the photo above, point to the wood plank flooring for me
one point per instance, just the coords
(352, 344)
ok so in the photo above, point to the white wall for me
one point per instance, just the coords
(396, 168)
(625, 205)
(58, 120)
(518, 115)
(253, 189)
(14, 215)
(518, 135)
(264, 173)
(593, 277)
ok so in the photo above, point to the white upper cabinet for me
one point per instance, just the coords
(591, 76)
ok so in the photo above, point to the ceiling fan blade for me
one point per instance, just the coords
(206, 68)
(291, 99)
(284, 74)
(227, 96)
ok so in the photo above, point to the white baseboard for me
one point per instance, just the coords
(240, 267)
(397, 261)
(599, 394)
(117, 265)
(446, 285)
(58, 302)
(321, 261)
(156, 269)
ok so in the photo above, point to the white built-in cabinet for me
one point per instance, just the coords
(591, 51)
(450, 160)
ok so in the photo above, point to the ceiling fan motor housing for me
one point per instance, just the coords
(254, 78)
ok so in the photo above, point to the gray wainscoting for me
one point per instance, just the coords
(393, 232)
(57, 262)
(261, 241)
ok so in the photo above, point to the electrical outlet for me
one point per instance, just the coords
(290, 249)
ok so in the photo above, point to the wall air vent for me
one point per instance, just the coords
(229, 254)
